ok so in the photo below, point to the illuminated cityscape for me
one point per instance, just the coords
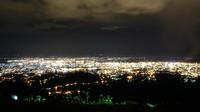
(97, 80)
(100, 55)
(109, 67)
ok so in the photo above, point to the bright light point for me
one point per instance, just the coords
(143, 65)
(20, 64)
(171, 65)
(14, 97)
(129, 77)
(151, 105)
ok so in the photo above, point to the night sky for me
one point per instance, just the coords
(100, 27)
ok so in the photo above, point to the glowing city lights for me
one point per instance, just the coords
(102, 66)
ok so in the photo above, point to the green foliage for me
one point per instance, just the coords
(86, 99)
(105, 99)
(37, 99)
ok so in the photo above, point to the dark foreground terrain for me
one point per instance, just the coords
(193, 107)
(166, 92)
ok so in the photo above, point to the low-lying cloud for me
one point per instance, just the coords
(181, 20)
(100, 8)
(78, 9)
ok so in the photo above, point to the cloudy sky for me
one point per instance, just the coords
(92, 27)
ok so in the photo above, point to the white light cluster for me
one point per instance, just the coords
(102, 66)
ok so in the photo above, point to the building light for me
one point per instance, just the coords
(14, 97)
(130, 77)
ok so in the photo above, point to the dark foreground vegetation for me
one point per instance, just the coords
(166, 92)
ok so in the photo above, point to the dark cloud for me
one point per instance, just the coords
(77, 9)
(91, 27)
(23, 1)
(181, 19)
(100, 9)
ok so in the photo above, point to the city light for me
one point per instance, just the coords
(102, 66)
(14, 97)
(73, 80)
